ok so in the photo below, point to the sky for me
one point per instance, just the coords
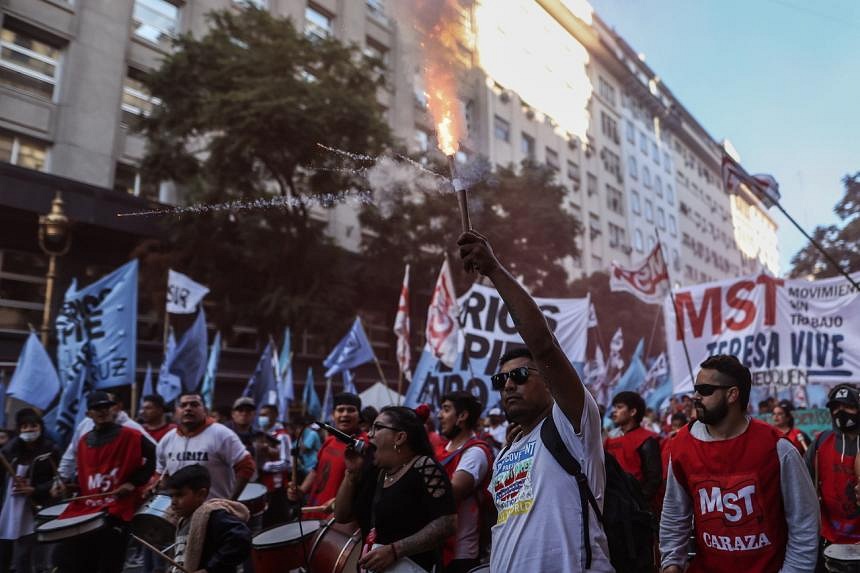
(779, 78)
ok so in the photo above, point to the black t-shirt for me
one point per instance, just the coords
(420, 496)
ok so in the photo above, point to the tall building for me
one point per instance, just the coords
(545, 80)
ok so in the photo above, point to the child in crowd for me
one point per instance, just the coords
(211, 536)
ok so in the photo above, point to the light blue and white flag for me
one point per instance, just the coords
(35, 380)
(148, 390)
(207, 390)
(310, 397)
(328, 403)
(169, 385)
(353, 350)
(190, 361)
(261, 386)
(349, 382)
(183, 294)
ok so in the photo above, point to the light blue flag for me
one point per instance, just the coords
(634, 376)
(262, 386)
(285, 357)
(311, 399)
(284, 398)
(102, 317)
(148, 390)
(208, 388)
(349, 382)
(353, 350)
(169, 385)
(61, 421)
(190, 361)
(2, 399)
(328, 403)
(35, 380)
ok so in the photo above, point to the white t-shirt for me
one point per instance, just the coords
(217, 448)
(540, 517)
(499, 433)
(474, 462)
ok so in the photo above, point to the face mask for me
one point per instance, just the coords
(263, 421)
(846, 422)
(30, 436)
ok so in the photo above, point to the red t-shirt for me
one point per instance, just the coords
(159, 433)
(329, 472)
(840, 516)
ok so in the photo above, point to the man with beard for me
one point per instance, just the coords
(467, 460)
(321, 483)
(636, 449)
(543, 523)
(737, 484)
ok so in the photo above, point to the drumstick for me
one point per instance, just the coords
(315, 509)
(160, 554)
(7, 466)
(92, 495)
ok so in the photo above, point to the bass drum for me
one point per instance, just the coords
(50, 512)
(284, 547)
(253, 496)
(337, 548)
(155, 521)
(59, 529)
(842, 558)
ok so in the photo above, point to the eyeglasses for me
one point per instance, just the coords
(377, 426)
(708, 389)
(518, 375)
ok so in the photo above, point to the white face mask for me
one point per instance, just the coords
(30, 436)
(263, 421)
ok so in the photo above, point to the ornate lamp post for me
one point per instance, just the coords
(54, 240)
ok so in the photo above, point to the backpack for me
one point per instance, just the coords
(629, 525)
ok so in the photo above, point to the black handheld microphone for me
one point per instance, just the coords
(359, 446)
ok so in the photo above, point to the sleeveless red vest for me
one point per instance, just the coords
(734, 487)
(450, 463)
(103, 469)
(840, 516)
(625, 449)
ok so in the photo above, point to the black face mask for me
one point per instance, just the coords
(846, 422)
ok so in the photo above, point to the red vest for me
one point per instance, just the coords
(329, 473)
(450, 462)
(734, 488)
(625, 449)
(795, 436)
(159, 433)
(103, 469)
(840, 516)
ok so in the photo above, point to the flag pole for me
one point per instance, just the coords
(135, 393)
(378, 365)
(675, 308)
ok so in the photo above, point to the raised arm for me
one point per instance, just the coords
(559, 374)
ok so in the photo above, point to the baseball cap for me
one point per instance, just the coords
(244, 402)
(844, 395)
(98, 399)
(494, 412)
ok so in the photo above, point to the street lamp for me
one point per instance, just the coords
(54, 240)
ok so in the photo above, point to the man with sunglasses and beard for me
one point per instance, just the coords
(542, 524)
(738, 484)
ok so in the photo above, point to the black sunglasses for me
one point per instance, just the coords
(518, 375)
(708, 389)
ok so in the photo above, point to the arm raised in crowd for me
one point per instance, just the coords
(556, 369)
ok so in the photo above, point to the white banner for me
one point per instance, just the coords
(648, 281)
(183, 294)
(487, 333)
(788, 332)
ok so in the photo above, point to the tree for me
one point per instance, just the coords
(241, 112)
(522, 213)
(843, 244)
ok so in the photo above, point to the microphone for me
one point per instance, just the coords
(359, 446)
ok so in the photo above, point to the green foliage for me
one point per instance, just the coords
(241, 112)
(841, 243)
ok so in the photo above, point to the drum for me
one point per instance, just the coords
(254, 498)
(58, 529)
(155, 522)
(50, 512)
(480, 569)
(842, 558)
(337, 548)
(284, 547)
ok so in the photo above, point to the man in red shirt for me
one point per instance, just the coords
(115, 461)
(737, 485)
(321, 484)
(636, 449)
(153, 418)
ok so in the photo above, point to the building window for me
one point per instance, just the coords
(651, 243)
(617, 236)
(631, 167)
(591, 184)
(643, 142)
(614, 200)
(631, 131)
(611, 162)
(127, 179)
(670, 195)
(676, 260)
(377, 10)
(606, 90)
(318, 24)
(655, 153)
(28, 64)
(527, 146)
(376, 50)
(635, 205)
(572, 171)
(661, 218)
(638, 241)
(594, 225)
(658, 186)
(646, 177)
(666, 163)
(673, 226)
(423, 139)
(23, 151)
(502, 129)
(136, 101)
(609, 127)
(552, 160)
(649, 211)
(155, 20)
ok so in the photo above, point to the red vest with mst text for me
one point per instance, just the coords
(625, 449)
(840, 515)
(103, 469)
(734, 487)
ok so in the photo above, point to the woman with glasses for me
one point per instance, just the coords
(404, 504)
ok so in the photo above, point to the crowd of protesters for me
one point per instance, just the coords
(539, 484)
